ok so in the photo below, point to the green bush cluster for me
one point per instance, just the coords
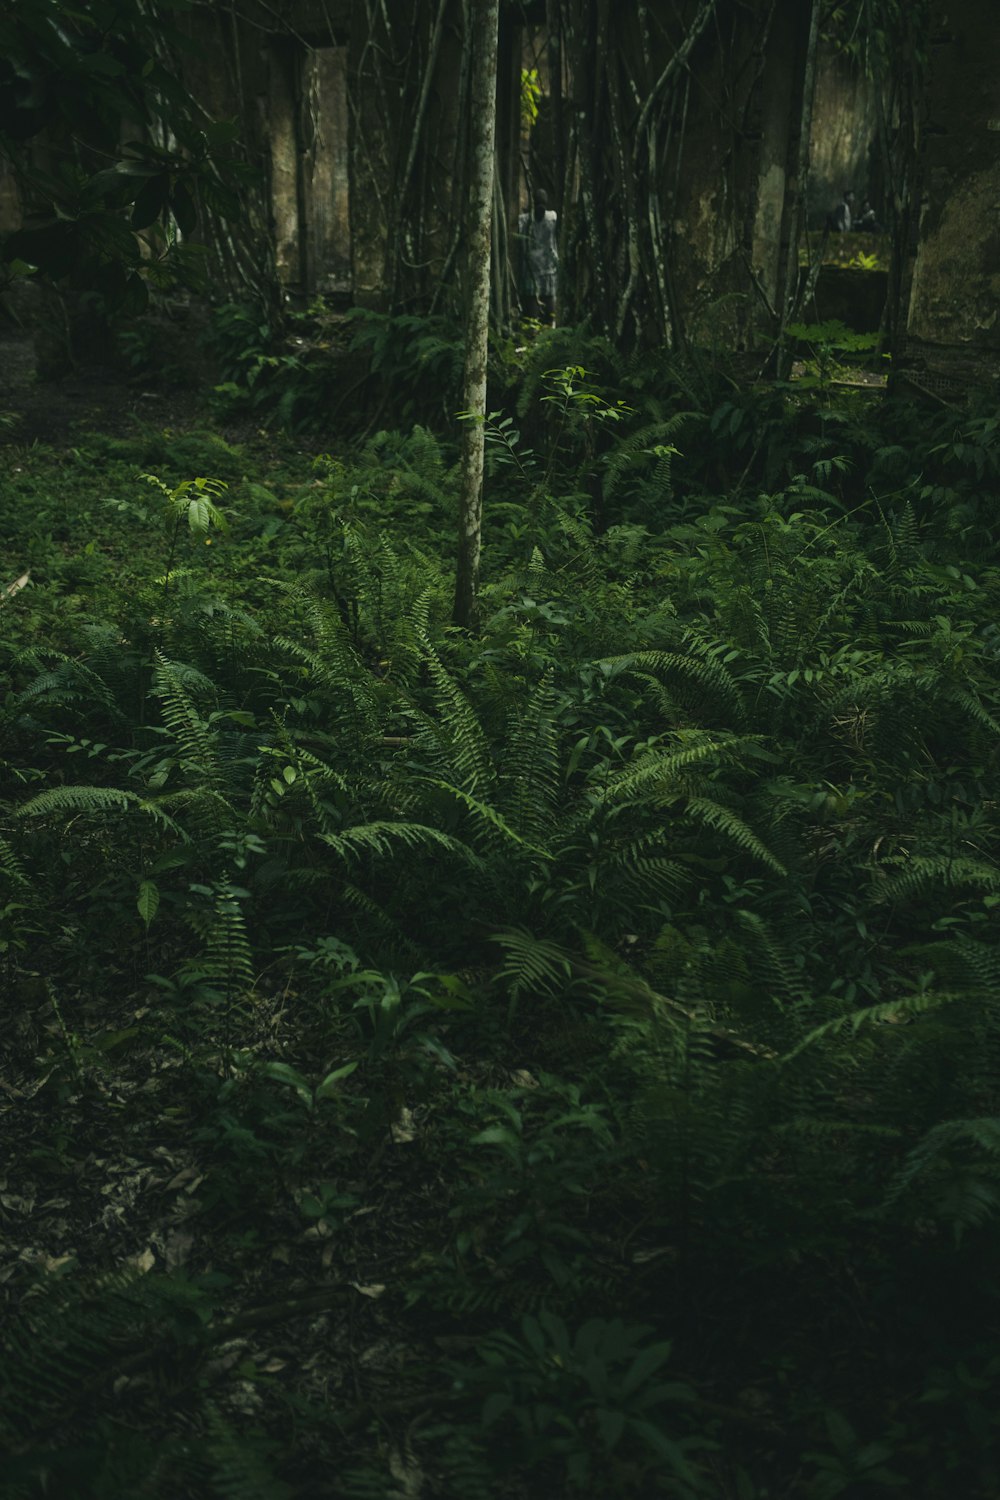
(657, 922)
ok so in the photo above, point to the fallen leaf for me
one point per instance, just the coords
(179, 1244)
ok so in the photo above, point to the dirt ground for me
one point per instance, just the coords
(100, 397)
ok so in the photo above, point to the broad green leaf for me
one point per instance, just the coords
(328, 1087)
(148, 902)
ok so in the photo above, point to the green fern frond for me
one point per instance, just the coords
(12, 866)
(655, 441)
(409, 636)
(529, 774)
(770, 960)
(963, 963)
(69, 681)
(971, 705)
(243, 1463)
(955, 1171)
(661, 771)
(65, 1346)
(531, 963)
(343, 676)
(698, 670)
(831, 1129)
(921, 873)
(643, 870)
(174, 683)
(379, 838)
(858, 587)
(723, 820)
(312, 779)
(78, 799)
(455, 731)
(386, 925)
(886, 1010)
(486, 817)
(227, 958)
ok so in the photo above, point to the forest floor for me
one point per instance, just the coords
(102, 398)
(444, 1065)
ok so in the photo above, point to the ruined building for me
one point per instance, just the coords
(686, 145)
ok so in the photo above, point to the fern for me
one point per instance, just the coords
(531, 963)
(953, 1173)
(227, 959)
(98, 799)
(660, 771)
(454, 732)
(67, 1345)
(698, 670)
(922, 873)
(893, 1011)
(12, 865)
(379, 838)
(530, 769)
(486, 818)
(196, 742)
(243, 1463)
(654, 440)
(723, 820)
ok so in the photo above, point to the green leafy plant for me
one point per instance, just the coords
(591, 1406)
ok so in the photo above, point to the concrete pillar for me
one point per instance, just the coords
(953, 325)
(738, 198)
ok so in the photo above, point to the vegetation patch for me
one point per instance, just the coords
(556, 1059)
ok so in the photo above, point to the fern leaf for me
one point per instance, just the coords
(487, 817)
(700, 671)
(885, 1010)
(379, 838)
(530, 962)
(456, 730)
(921, 873)
(78, 799)
(11, 865)
(660, 770)
(530, 770)
(723, 820)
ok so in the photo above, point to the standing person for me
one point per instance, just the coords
(539, 231)
(843, 215)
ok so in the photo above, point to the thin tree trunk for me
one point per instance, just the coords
(483, 136)
(793, 216)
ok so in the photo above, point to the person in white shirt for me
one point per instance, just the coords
(539, 235)
(843, 215)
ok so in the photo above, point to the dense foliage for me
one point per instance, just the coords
(582, 1037)
(103, 215)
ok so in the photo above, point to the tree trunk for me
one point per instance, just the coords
(483, 41)
(793, 217)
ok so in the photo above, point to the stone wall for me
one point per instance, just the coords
(953, 328)
(844, 141)
(735, 195)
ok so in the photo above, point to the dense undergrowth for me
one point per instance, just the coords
(582, 1039)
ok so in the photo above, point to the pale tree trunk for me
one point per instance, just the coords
(793, 217)
(483, 41)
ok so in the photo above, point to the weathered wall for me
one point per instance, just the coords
(669, 138)
(843, 149)
(954, 312)
(735, 192)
